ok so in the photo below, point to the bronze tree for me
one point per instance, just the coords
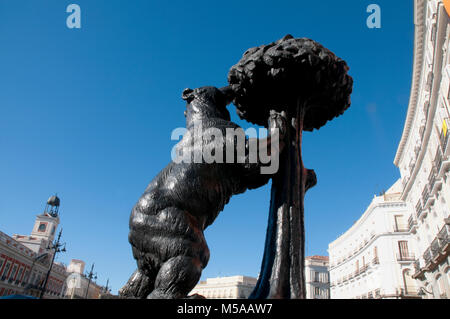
(311, 84)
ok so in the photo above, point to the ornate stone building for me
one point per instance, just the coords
(423, 200)
(25, 260)
(374, 258)
(317, 277)
(423, 151)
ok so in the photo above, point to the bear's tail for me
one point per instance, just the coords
(137, 287)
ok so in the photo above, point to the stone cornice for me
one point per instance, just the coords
(419, 34)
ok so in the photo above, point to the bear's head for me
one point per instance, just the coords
(207, 102)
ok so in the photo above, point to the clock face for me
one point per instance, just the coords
(42, 227)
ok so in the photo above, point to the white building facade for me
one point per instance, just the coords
(423, 152)
(374, 258)
(233, 287)
(317, 277)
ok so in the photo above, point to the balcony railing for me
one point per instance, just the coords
(425, 194)
(411, 223)
(438, 159)
(418, 208)
(362, 270)
(435, 249)
(432, 178)
(405, 181)
(444, 238)
(405, 257)
(427, 256)
(417, 268)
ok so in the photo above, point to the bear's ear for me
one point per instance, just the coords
(187, 95)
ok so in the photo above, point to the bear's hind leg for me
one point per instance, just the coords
(176, 278)
(138, 286)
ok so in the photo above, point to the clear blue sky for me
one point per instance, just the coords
(88, 114)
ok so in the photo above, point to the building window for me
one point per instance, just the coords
(316, 276)
(25, 276)
(13, 273)
(403, 250)
(5, 271)
(399, 223)
(316, 292)
(19, 274)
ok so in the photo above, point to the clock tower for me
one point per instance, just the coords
(44, 229)
(47, 222)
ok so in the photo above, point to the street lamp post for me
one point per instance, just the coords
(27, 280)
(91, 276)
(57, 248)
(106, 287)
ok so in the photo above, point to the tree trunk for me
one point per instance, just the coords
(282, 269)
